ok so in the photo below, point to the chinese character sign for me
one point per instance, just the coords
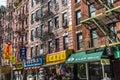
(7, 51)
(23, 52)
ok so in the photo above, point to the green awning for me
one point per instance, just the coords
(82, 57)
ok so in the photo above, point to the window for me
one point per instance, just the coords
(26, 36)
(57, 22)
(42, 49)
(94, 38)
(42, 30)
(32, 35)
(109, 3)
(64, 2)
(49, 6)
(32, 3)
(26, 21)
(56, 5)
(37, 15)
(112, 31)
(77, 1)
(36, 32)
(92, 10)
(55, 1)
(78, 16)
(32, 17)
(79, 41)
(50, 26)
(50, 46)
(57, 44)
(64, 19)
(32, 52)
(37, 50)
(65, 42)
(42, 14)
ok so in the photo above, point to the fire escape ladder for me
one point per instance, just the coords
(102, 30)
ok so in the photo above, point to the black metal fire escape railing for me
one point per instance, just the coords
(101, 20)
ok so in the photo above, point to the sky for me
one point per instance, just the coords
(3, 2)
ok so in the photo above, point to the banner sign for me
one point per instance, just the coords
(18, 66)
(7, 50)
(12, 58)
(23, 52)
(33, 62)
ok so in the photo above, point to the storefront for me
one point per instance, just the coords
(55, 63)
(18, 71)
(5, 72)
(91, 65)
(33, 69)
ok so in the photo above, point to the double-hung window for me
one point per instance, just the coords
(50, 26)
(78, 17)
(79, 41)
(32, 35)
(57, 22)
(50, 46)
(57, 44)
(65, 42)
(92, 10)
(94, 38)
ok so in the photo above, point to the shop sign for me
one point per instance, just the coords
(18, 66)
(23, 52)
(7, 50)
(12, 58)
(117, 52)
(33, 62)
(58, 57)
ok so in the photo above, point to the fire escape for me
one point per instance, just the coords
(44, 14)
(109, 13)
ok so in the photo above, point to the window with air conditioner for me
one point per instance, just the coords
(79, 41)
(56, 22)
(78, 17)
(65, 42)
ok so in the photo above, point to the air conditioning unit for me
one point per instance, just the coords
(41, 51)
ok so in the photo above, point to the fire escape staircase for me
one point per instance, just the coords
(101, 20)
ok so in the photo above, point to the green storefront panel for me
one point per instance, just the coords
(82, 57)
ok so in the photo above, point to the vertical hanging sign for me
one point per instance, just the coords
(7, 50)
(23, 52)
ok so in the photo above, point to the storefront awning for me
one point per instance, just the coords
(82, 57)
